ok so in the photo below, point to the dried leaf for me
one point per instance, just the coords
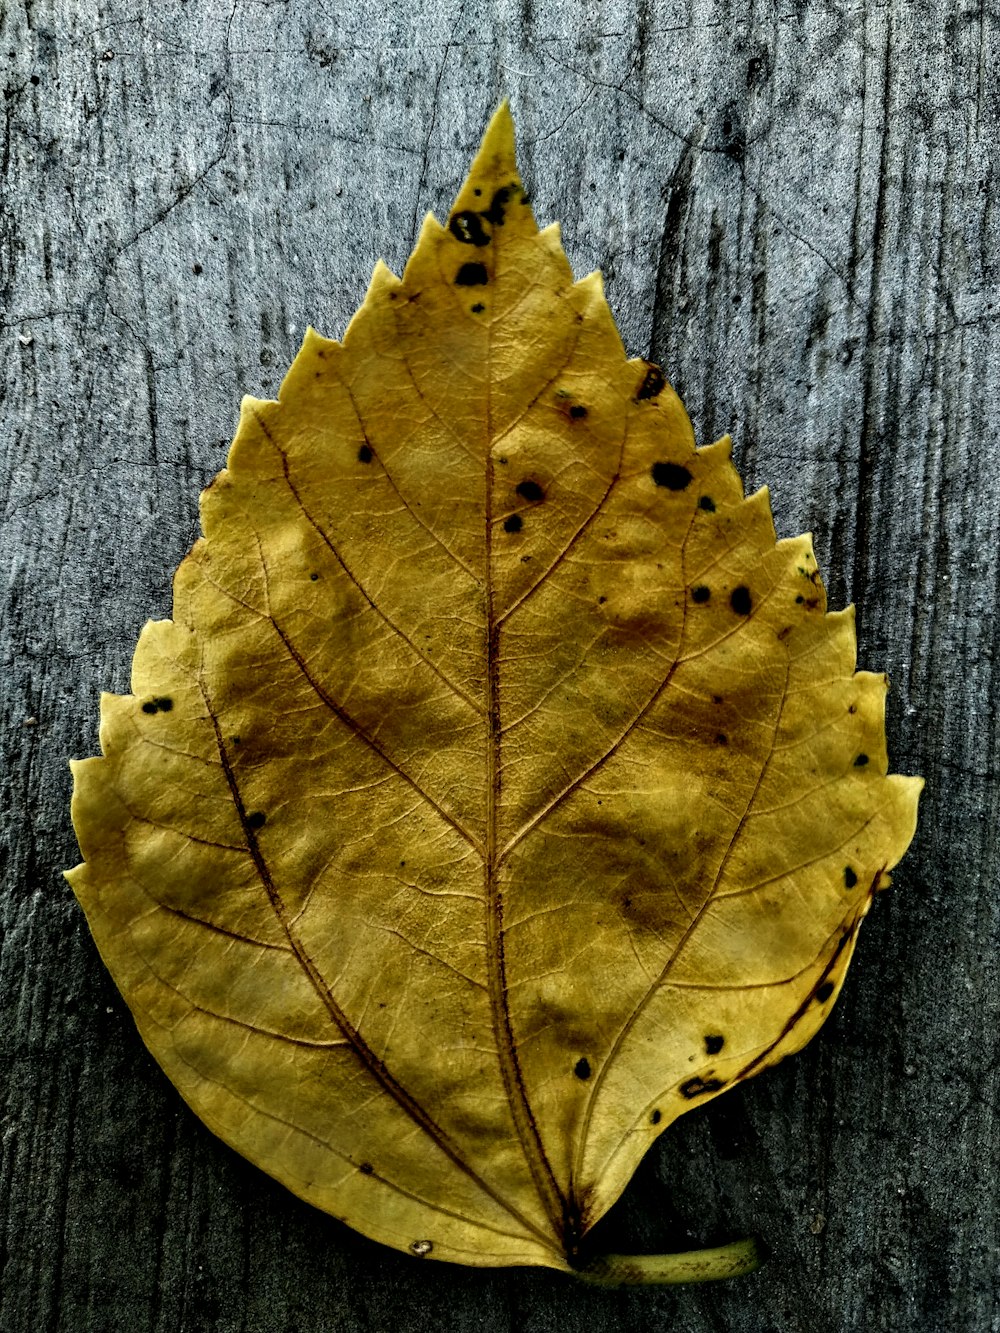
(500, 789)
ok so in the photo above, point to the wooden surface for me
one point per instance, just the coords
(795, 207)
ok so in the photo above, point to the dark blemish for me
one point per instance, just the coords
(513, 523)
(468, 228)
(498, 203)
(721, 739)
(671, 475)
(701, 593)
(582, 1068)
(698, 1087)
(717, 698)
(525, 559)
(578, 412)
(478, 308)
(824, 992)
(158, 705)
(783, 633)
(850, 878)
(853, 708)
(314, 577)
(472, 275)
(652, 384)
(366, 1168)
(655, 1117)
(477, 191)
(525, 199)
(34, 80)
(196, 269)
(799, 600)
(713, 1045)
(257, 819)
(601, 601)
(235, 740)
(530, 490)
(364, 454)
(707, 503)
(739, 600)
(861, 760)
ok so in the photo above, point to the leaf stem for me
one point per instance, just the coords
(724, 1261)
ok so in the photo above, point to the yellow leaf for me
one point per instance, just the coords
(500, 789)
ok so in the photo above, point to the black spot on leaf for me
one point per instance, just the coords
(364, 454)
(530, 490)
(513, 523)
(698, 1087)
(714, 1044)
(707, 503)
(652, 384)
(739, 600)
(468, 228)
(366, 1168)
(313, 577)
(850, 878)
(256, 819)
(824, 992)
(701, 593)
(495, 212)
(655, 1117)
(577, 412)
(472, 275)
(861, 760)
(672, 475)
(582, 1068)
(158, 705)
(478, 308)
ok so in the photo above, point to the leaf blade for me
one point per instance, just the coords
(472, 612)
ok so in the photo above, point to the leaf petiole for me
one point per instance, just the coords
(631, 1270)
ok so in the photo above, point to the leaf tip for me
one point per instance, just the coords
(493, 173)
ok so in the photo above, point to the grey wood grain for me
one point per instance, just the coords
(796, 210)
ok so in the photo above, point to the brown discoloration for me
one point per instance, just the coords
(652, 383)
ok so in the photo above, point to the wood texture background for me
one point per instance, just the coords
(795, 206)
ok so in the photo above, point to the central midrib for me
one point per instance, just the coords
(552, 1198)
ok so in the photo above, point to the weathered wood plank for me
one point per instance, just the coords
(796, 211)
